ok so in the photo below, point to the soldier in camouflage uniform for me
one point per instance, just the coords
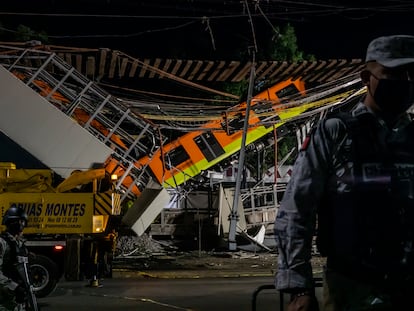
(353, 185)
(12, 290)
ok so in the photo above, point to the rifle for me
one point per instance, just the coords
(21, 266)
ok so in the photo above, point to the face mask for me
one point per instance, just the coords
(394, 96)
(16, 227)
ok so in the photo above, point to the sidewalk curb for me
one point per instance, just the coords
(193, 274)
(187, 274)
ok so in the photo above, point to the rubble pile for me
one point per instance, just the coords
(130, 245)
(146, 254)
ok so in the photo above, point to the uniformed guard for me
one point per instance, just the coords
(13, 285)
(353, 184)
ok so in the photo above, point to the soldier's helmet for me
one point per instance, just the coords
(14, 213)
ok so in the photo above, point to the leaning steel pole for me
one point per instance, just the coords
(234, 214)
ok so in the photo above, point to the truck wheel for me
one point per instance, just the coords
(44, 275)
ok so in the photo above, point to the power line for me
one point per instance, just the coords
(123, 35)
(300, 8)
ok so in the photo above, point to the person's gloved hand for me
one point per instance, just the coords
(21, 294)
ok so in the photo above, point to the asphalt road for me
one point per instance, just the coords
(203, 294)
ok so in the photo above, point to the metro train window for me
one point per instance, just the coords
(262, 108)
(209, 146)
(290, 90)
(175, 157)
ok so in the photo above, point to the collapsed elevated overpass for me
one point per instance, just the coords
(68, 122)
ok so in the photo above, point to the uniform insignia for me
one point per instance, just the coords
(305, 143)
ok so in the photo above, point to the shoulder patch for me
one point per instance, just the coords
(305, 143)
(307, 139)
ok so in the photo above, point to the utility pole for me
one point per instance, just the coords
(234, 214)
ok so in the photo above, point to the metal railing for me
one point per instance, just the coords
(104, 116)
(261, 203)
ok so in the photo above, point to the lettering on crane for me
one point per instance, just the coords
(52, 209)
(31, 209)
(65, 209)
(64, 213)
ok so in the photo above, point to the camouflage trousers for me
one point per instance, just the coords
(13, 307)
(7, 302)
(341, 293)
(9, 306)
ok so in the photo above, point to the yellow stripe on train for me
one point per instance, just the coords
(252, 135)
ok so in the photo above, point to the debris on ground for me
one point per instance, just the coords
(130, 245)
(145, 253)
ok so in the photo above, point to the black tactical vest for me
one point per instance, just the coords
(373, 224)
(10, 260)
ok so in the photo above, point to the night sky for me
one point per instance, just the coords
(325, 28)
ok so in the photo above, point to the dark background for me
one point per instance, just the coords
(175, 28)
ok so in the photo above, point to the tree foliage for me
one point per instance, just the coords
(283, 47)
(25, 33)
